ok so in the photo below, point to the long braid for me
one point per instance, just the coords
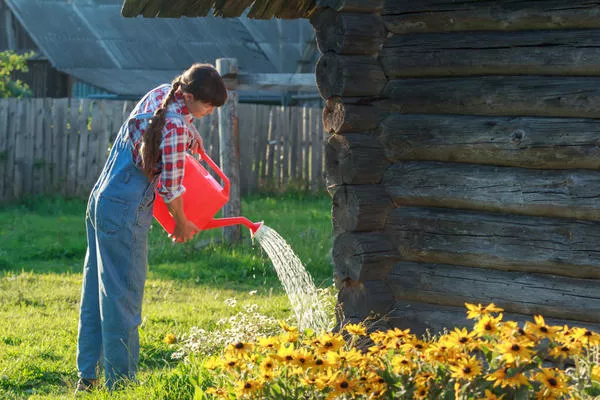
(151, 139)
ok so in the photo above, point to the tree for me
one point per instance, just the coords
(11, 62)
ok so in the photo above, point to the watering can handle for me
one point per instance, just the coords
(215, 168)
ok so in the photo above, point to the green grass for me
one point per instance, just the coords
(42, 246)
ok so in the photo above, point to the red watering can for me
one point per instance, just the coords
(203, 198)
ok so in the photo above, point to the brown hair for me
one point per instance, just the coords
(205, 84)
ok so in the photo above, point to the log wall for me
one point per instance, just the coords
(463, 157)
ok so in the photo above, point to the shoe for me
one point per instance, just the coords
(85, 385)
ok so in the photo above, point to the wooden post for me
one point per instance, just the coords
(229, 147)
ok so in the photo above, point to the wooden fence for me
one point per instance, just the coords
(59, 146)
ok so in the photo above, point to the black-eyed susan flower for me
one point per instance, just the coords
(596, 373)
(329, 342)
(268, 365)
(540, 329)
(213, 363)
(488, 325)
(285, 353)
(342, 384)
(564, 351)
(507, 377)
(514, 350)
(303, 358)
(356, 329)
(247, 387)
(463, 339)
(218, 392)
(421, 391)
(402, 365)
(268, 343)
(170, 338)
(286, 327)
(476, 311)
(239, 349)
(586, 337)
(554, 382)
(467, 368)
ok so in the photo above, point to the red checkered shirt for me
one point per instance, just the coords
(176, 140)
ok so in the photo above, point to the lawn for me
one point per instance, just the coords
(42, 246)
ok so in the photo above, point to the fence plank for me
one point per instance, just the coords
(314, 161)
(4, 132)
(37, 165)
(46, 146)
(59, 143)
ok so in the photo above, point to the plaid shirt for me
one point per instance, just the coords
(177, 137)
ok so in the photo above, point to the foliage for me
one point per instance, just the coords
(9, 63)
(496, 359)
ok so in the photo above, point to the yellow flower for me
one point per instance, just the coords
(488, 325)
(170, 338)
(540, 329)
(329, 342)
(356, 329)
(213, 363)
(268, 365)
(596, 373)
(475, 311)
(421, 391)
(402, 365)
(285, 353)
(239, 349)
(351, 357)
(488, 395)
(219, 392)
(342, 384)
(515, 350)
(232, 363)
(286, 327)
(506, 377)
(463, 339)
(247, 387)
(554, 382)
(268, 343)
(290, 337)
(586, 337)
(467, 368)
(565, 351)
(303, 358)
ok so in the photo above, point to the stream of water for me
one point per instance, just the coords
(296, 281)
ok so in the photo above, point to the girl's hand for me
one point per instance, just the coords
(184, 231)
(197, 146)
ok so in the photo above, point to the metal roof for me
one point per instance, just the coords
(92, 41)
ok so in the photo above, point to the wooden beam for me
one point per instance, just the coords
(549, 193)
(353, 159)
(422, 316)
(548, 143)
(497, 241)
(363, 256)
(540, 96)
(342, 116)
(564, 52)
(349, 76)
(360, 208)
(404, 16)
(362, 6)
(277, 81)
(348, 33)
(229, 150)
(516, 292)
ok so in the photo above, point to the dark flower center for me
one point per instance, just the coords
(515, 347)
(552, 382)
(239, 345)
(467, 370)
(344, 385)
(247, 385)
(463, 340)
(544, 329)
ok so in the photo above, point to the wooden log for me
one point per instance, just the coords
(359, 300)
(342, 117)
(349, 76)
(547, 143)
(516, 292)
(497, 241)
(362, 6)
(353, 159)
(362, 256)
(549, 193)
(422, 317)
(230, 151)
(359, 208)
(564, 52)
(278, 81)
(496, 95)
(406, 16)
(348, 33)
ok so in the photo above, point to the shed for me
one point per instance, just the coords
(463, 152)
(89, 41)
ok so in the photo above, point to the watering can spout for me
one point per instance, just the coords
(221, 222)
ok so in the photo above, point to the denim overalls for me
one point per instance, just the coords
(118, 218)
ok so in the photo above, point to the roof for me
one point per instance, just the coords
(259, 9)
(90, 40)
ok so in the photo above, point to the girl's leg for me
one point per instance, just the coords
(89, 343)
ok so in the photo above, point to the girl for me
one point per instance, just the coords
(147, 156)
